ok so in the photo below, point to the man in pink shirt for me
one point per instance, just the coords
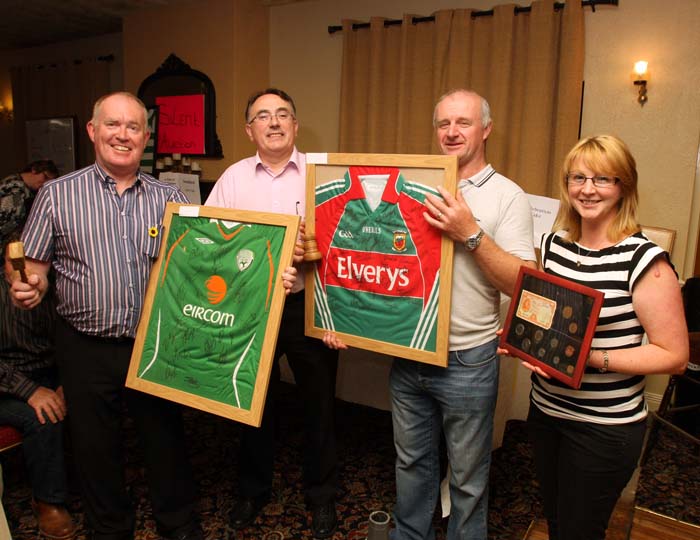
(274, 180)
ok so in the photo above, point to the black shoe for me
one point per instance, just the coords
(323, 520)
(245, 512)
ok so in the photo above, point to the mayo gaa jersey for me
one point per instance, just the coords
(211, 308)
(379, 275)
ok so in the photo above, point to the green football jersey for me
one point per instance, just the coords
(211, 308)
(379, 274)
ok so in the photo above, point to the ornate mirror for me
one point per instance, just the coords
(186, 103)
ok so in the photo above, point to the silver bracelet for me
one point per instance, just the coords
(606, 361)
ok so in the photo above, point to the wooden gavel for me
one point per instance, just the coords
(311, 252)
(15, 251)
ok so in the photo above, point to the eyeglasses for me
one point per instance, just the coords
(578, 179)
(265, 117)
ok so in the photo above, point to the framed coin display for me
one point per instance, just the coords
(557, 315)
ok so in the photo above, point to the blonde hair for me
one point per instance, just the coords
(604, 154)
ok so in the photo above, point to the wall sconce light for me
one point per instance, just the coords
(6, 114)
(640, 69)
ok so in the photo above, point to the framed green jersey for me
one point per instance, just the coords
(212, 310)
(383, 281)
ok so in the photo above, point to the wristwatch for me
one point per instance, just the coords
(474, 240)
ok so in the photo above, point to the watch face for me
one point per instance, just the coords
(474, 240)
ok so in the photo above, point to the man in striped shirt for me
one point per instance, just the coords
(99, 228)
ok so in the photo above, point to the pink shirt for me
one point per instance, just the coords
(250, 185)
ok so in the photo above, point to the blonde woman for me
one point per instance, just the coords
(587, 442)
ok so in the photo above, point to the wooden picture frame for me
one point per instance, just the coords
(550, 324)
(213, 307)
(384, 279)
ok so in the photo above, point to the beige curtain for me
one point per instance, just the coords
(55, 90)
(528, 66)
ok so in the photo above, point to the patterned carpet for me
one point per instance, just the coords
(367, 480)
(669, 483)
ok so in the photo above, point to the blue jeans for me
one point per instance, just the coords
(42, 446)
(460, 400)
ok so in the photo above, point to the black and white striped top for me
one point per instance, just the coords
(100, 246)
(603, 398)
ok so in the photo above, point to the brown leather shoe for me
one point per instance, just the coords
(55, 522)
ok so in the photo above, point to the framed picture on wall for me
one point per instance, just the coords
(54, 139)
(212, 309)
(384, 279)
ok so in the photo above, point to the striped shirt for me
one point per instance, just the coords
(604, 398)
(26, 343)
(100, 246)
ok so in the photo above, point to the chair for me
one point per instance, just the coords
(9, 438)
(664, 238)
(680, 405)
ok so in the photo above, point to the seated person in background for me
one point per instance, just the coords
(31, 402)
(17, 193)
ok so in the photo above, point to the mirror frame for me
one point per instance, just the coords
(161, 83)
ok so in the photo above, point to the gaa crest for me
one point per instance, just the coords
(244, 258)
(399, 241)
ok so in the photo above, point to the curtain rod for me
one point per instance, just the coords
(77, 61)
(487, 13)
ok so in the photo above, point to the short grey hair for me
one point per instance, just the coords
(98, 105)
(485, 108)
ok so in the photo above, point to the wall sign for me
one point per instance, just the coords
(181, 124)
(54, 139)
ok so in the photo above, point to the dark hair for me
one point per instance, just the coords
(42, 166)
(274, 91)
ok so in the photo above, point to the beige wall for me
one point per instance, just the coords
(663, 135)
(226, 40)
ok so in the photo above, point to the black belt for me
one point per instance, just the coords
(104, 339)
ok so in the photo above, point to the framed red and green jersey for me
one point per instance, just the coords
(381, 281)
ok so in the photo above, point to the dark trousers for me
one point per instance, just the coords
(93, 371)
(582, 468)
(314, 367)
(42, 444)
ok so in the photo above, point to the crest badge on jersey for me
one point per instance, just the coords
(244, 258)
(399, 241)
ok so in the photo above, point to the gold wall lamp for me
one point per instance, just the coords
(640, 69)
(6, 114)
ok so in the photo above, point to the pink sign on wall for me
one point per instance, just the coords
(181, 124)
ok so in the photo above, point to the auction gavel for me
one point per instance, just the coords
(15, 251)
